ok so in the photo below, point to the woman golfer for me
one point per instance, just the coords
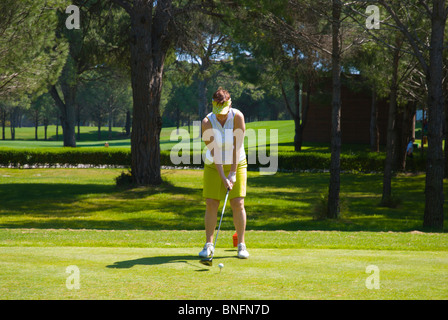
(225, 168)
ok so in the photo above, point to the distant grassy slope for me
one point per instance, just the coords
(89, 137)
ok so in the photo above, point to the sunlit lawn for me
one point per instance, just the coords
(88, 198)
(89, 137)
(175, 273)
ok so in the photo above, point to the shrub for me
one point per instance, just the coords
(320, 208)
(391, 202)
(124, 180)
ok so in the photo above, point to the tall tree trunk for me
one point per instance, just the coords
(305, 108)
(433, 217)
(68, 116)
(399, 133)
(67, 105)
(188, 122)
(99, 123)
(111, 117)
(446, 140)
(389, 165)
(295, 114)
(406, 134)
(298, 116)
(177, 119)
(335, 165)
(3, 114)
(36, 124)
(78, 121)
(67, 109)
(374, 132)
(128, 123)
(57, 127)
(14, 116)
(149, 46)
(202, 89)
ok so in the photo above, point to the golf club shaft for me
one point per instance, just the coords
(220, 220)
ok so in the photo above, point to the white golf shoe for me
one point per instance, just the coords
(242, 251)
(207, 250)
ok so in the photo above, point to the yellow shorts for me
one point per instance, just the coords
(213, 186)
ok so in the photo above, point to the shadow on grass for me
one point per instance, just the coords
(90, 206)
(160, 260)
(283, 202)
(289, 203)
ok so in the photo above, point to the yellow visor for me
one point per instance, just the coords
(221, 108)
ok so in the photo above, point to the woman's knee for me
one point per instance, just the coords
(212, 204)
(237, 203)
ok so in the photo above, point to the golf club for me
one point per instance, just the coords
(209, 261)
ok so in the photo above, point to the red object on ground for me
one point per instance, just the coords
(235, 240)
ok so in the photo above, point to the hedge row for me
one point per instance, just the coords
(362, 162)
(64, 156)
(287, 161)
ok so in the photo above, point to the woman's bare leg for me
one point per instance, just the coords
(211, 214)
(239, 217)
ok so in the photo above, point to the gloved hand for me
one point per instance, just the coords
(232, 177)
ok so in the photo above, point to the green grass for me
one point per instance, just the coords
(89, 138)
(142, 243)
(25, 138)
(88, 198)
(174, 239)
(155, 273)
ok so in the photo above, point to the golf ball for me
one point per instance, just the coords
(221, 265)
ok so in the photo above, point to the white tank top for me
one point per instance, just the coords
(223, 136)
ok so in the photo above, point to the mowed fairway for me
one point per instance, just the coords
(142, 243)
(156, 273)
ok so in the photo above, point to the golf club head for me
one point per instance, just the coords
(207, 262)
